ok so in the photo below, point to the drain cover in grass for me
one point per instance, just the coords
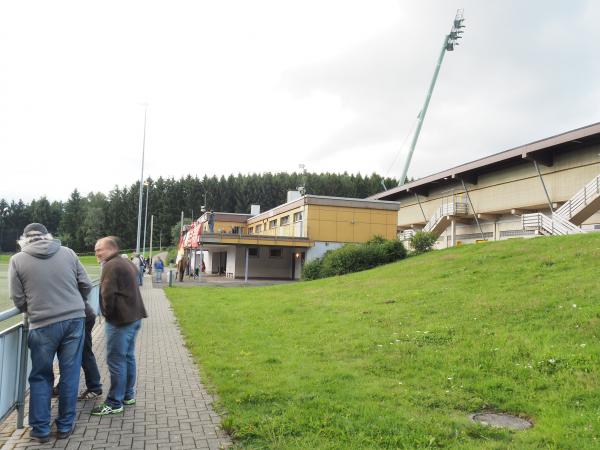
(501, 420)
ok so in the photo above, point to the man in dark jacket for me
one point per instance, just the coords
(122, 307)
(49, 283)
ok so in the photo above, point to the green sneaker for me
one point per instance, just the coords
(129, 401)
(104, 410)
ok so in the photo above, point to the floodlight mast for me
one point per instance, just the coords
(450, 41)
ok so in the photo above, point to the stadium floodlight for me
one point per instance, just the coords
(450, 41)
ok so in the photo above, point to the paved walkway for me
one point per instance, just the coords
(173, 409)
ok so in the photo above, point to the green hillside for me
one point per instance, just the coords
(399, 356)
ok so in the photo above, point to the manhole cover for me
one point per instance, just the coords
(501, 420)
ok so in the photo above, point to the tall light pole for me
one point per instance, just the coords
(450, 41)
(147, 183)
(139, 227)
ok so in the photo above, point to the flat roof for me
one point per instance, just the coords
(228, 217)
(538, 150)
(327, 201)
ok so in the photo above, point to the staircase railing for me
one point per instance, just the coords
(589, 192)
(447, 209)
(556, 225)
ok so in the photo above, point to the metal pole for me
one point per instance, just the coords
(472, 208)
(421, 206)
(544, 186)
(146, 216)
(22, 382)
(423, 111)
(139, 226)
(151, 227)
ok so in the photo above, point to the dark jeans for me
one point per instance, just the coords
(88, 360)
(120, 357)
(140, 276)
(64, 339)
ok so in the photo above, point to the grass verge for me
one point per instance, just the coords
(398, 356)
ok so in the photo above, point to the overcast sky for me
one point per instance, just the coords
(256, 86)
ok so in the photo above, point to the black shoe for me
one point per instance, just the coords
(64, 434)
(40, 439)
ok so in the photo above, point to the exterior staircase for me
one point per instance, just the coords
(555, 225)
(583, 204)
(444, 215)
(567, 218)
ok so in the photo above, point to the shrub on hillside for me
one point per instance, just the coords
(422, 241)
(354, 258)
(312, 269)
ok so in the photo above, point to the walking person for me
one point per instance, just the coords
(48, 282)
(138, 262)
(159, 266)
(122, 306)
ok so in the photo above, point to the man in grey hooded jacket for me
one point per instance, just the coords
(48, 282)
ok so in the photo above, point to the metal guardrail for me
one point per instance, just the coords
(447, 209)
(589, 192)
(15, 362)
(557, 225)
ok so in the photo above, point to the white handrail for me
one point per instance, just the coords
(557, 225)
(446, 209)
(580, 199)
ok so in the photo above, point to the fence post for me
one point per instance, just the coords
(170, 277)
(22, 380)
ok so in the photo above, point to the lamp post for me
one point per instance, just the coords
(147, 184)
(139, 226)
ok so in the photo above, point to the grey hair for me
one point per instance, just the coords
(33, 236)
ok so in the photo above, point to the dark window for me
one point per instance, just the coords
(274, 253)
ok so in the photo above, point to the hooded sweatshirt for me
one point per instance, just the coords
(48, 282)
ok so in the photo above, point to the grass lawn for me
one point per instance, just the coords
(398, 356)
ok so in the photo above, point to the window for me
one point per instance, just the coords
(284, 221)
(251, 230)
(253, 252)
(258, 228)
(274, 253)
(272, 224)
(298, 216)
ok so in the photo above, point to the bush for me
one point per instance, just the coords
(422, 241)
(354, 258)
(312, 270)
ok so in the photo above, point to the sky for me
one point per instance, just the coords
(264, 86)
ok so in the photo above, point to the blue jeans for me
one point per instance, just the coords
(120, 357)
(141, 276)
(88, 360)
(158, 273)
(64, 339)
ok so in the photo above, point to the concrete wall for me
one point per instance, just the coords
(264, 266)
(320, 248)
(516, 187)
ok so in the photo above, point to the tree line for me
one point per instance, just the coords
(79, 221)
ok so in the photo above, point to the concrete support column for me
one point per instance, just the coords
(452, 233)
(246, 266)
